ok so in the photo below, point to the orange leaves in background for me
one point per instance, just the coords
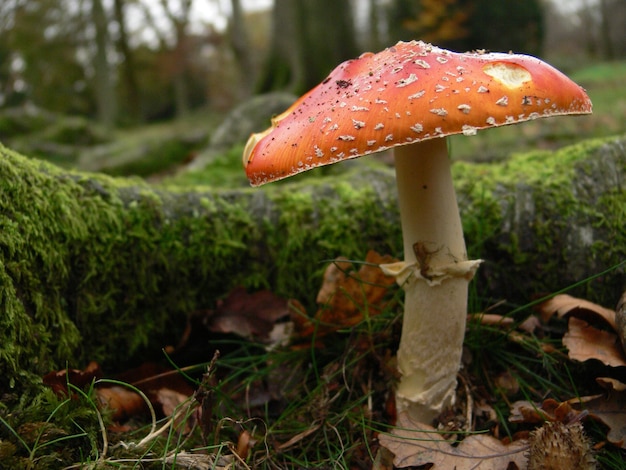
(347, 295)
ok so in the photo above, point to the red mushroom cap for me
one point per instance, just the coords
(407, 93)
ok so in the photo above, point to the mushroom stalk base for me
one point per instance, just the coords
(435, 275)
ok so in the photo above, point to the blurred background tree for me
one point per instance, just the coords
(308, 39)
(125, 62)
(465, 25)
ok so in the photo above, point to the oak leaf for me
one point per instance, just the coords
(564, 305)
(590, 330)
(610, 408)
(415, 444)
(585, 342)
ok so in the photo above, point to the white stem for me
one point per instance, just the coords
(433, 328)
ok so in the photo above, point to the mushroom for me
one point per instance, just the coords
(409, 97)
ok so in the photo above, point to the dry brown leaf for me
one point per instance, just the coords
(585, 342)
(173, 404)
(170, 400)
(620, 318)
(415, 444)
(247, 315)
(611, 384)
(123, 402)
(564, 305)
(245, 443)
(507, 383)
(529, 325)
(611, 410)
(58, 380)
(346, 294)
(550, 410)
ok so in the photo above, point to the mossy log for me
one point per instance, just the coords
(101, 268)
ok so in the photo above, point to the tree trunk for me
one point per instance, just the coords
(307, 43)
(241, 49)
(97, 268)
(181, 90)
(605, 30)
(283, 70)
(105, 93)
(128, 66)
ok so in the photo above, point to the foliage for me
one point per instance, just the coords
(54, 80)
(515, 25)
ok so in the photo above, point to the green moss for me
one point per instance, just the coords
(107, 269)
(540, 212)
(94, 268)
(320, 221)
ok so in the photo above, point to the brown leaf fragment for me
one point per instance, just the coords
(347, 295)
(611, 410)
(415, 444)
(507, 383)
(611, 384)
(585, 342)
(550, 410)
(566, 305)
(247, 315)
(245, 443)
(177, 405)
(620, 318)
(123, 402)
(58, 380)
(523, 411)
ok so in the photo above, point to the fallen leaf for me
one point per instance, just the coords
(611, 410)
(177, 405)
(123, 402)
(611, 384)
(415, 444)
(245, 442)
(550, 410)
(58, 380)
(620, 318)
(585, 342)
(347, 295)
(566, 305)
(247, 315)
(507, 383)
(529, 325)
